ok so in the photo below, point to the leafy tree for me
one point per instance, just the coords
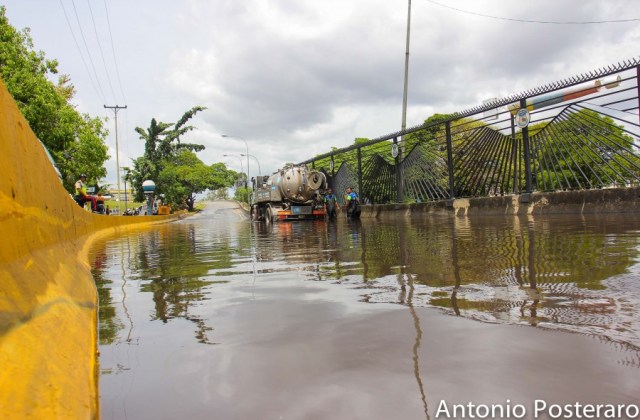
(161, 143)
(582, 149)
(350, 157)
(185, 176)
(180, 128)
(148, 165)
(219, 194)
(82, 155)
(427, 148)
(433, 133)
(76, 141)
(242, 194)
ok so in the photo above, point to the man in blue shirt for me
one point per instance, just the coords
(330, 203)
(353, 204)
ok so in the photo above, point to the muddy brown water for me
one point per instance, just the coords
(214, 317)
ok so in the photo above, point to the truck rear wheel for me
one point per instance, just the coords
(269, 217)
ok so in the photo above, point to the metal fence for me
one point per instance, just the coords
(578, 133)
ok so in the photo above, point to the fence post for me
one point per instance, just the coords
(638, 86)
(447, 126)
(527, 155)
(399, 195)
(360, 172)
(514, 157)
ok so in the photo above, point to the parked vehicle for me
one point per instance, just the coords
(132, 212)
(292, 193)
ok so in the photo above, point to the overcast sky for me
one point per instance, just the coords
(293, 78)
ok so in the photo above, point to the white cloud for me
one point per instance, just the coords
(295, 78)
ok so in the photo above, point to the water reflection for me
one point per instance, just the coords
(169, 264)
(555, 273)
(578, 275)
(201, 313)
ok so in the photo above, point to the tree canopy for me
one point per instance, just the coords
(173, 165)
(161, 143)
(583, 149)
(185, 175)
(76, 141)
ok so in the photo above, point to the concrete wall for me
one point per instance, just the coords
(613, 200)
(48, 300)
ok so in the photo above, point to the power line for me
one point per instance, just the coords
(75, 40)
(94, 77)
(548, 22)
(113, 51)
(104, 63)
(87, 48)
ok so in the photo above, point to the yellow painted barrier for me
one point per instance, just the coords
(48, 300)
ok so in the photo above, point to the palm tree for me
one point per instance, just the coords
(162, 142)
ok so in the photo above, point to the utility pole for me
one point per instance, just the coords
(404, 105)
(406, 72)
(117, 108)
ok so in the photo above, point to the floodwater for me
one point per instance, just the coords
(215, 317)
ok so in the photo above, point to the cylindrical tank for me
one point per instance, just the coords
(298, 184)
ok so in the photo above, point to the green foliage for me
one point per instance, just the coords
(161, 144)
(76, 141)
(219, 194)
(349, 158)
(583, 149)
(185, 175)
(242, 194)
(174, 166)
(434, 132)
(108, 321)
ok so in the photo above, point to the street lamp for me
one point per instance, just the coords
(259, 170)
(406, 72)
(404, 100)
(246, 145)
(239, 159)
(241, 171)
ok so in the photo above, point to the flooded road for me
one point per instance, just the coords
(214, 317)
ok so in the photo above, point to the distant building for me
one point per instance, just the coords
(119, 195)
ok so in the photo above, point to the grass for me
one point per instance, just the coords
(120, 205)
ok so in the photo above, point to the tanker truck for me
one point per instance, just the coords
(291, 193)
